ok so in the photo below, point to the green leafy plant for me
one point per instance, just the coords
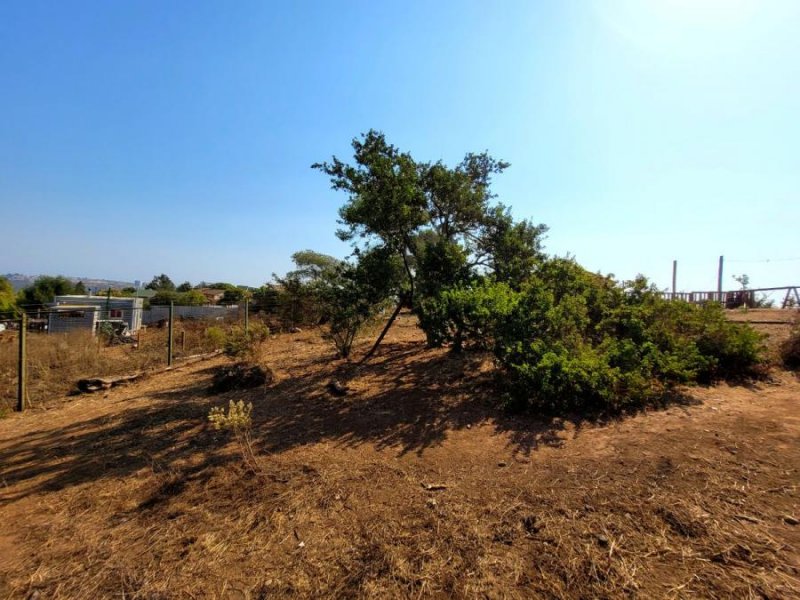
(579, 341)
(243, 344)
(466, 315)
(215, 336)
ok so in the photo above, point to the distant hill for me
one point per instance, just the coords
(19, 281)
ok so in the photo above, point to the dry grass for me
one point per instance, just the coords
(135, 496)
(57, 361)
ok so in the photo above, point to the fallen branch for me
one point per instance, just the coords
(434, 487)
(103, 383)
(97, 384)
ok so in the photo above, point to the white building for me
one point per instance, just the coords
(73, 312)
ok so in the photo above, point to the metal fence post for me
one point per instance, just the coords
(22, 371)
(169, 333)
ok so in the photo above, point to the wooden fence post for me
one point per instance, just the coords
(22, 371)
(169, 333)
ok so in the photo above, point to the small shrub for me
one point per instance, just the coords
(216, 337)
(237, 420)
(241, 344)
(790, 348)
(238, 417)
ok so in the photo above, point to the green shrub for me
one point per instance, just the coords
(236, 343)
(579, 341)
(239, 343)
(216, 337)
(790, 349)
(466, 315)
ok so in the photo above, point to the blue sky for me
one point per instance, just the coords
(146, 137)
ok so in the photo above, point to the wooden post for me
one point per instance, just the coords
(169, 333)
(788, 298)
(183, 340)
(719, 278)
(246, 316)
(22, 369)
(674, 276)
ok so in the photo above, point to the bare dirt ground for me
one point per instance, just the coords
(412, 485)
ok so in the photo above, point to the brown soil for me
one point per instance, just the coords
(412, 484)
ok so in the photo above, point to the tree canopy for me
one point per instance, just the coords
(161, 283)
(311, 265)
(8, 299)
(45, 289)
(440, 222)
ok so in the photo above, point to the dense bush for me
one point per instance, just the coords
(577, 341)
(466, 315)
(790, 349)
(235, 342)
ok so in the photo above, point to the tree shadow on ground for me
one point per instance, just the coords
(413, 398)
(407, 399)
(154, 436)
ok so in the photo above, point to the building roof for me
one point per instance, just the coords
(73, 306)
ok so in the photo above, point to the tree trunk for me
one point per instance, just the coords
(383, 333)
(410, 280)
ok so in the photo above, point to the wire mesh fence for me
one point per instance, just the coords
(56, 346)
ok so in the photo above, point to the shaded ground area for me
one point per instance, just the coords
(413, 484)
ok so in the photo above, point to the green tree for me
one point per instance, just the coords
(8, 299)
(266, 298)
(161, 283)
(350, 294)
(192, 298)
(232, 296)
(164, 297)
(80, 288)
(386, 204)
(311, 265)
(186, 286)
(438, 221)
(510, 250)
(44, 290)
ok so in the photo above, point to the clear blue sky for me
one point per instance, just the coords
(146, 137)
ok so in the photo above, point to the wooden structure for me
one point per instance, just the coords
(737, 298)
